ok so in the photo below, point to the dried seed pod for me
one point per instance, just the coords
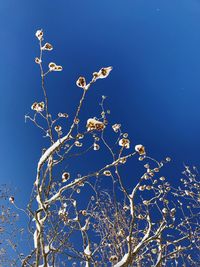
(65, 176)
(84, 212)
(124, 142)
(78, 144)
(93, 124)
(107, 173)
(54, 67)
(47, 46)
(102, 73)
(58, 128)
(39, 34)
(96, 146)
(140, 149)
(38, 107)
(37, 60)
(116, 127)
(12, 199)
(58, 68)
(63, 115)
(81, 82)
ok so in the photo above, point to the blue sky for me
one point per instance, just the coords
(153, 91)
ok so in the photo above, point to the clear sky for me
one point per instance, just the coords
(153, 90)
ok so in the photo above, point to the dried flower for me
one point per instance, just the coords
(140, 149)
(116, 127)
(65, 176)
(93, 124)
(81, 82)
(47, 46)
(39, 34)
(124, 143)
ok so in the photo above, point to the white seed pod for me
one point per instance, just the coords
(103, 73)
(47, 46)
(81, 82)
(65, 176)
(124, 142)
(12, 199)
(107, 173)
(58, 128)
(140, 149)
(96, 146)
(164, 210)
(39, 34)
(116, 127)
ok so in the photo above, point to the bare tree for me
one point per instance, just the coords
(8, 227)
(94, 219)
